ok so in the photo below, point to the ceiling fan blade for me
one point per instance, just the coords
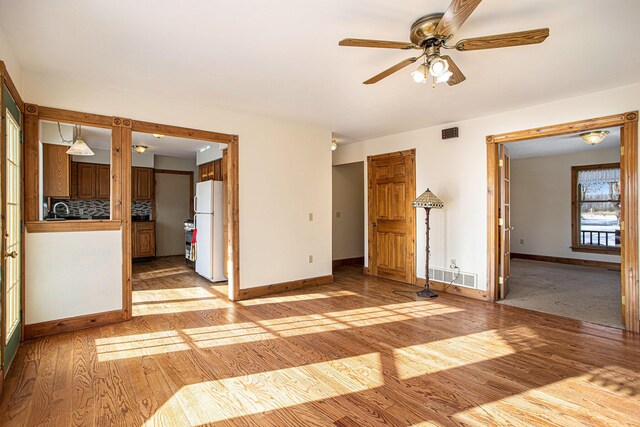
(504, 40)
(377, 43)
(399, 66)
(455, 16)
(457, 76)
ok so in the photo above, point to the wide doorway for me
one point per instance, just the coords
(563, 220)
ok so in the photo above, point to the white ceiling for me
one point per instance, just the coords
(281, 58)
(563, 144)
(101, 139)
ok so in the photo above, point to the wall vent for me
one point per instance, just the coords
(467, 280)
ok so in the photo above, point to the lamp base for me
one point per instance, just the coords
(427, 293)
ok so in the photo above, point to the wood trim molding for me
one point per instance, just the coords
(562, 129)
(11, 86)
(169, 130)
(477, 294)
(570, 261)
(72, 226)
(629, 202)
(73, 117)
(43, 329)
(284, 287)
(365, 271)
(348, 261)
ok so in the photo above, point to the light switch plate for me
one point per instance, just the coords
(310, 259)
(338, 214)
(522, 241)
(310, 216)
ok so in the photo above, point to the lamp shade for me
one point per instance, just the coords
(428, 200)
(79, 148)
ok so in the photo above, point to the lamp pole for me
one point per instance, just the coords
(426, 292)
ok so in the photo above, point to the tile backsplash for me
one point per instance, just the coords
(101, 207)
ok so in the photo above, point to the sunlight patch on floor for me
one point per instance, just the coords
(296, 298)
(156, 274)
(226, 399)
(139, 345)
(152, 308)
(442, 354)
(574, 395)
(234, 333)
(175, 294)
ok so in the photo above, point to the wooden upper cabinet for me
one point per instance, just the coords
(142, 183)
(103, 182)
(90, 181)
(56, 171)
(212, 170)
(86, 181)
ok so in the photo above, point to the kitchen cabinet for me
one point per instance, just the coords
(143, 239)
(212, 170)
(142, 184)
(103, 182)
(56, 171)
(90, 181)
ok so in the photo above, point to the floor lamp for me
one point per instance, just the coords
(428, 201)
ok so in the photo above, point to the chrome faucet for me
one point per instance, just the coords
(55, 214)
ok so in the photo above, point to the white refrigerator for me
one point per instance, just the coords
(209, 237)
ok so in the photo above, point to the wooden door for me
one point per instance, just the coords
(504, 220)
(11, 230)
(391, 217)
(103, 182)
(142, 182)
(56, 171)
(86, 181)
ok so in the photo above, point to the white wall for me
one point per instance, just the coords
(63, 278)
(284, 168)
(541, 203)
(11, 60)
(213, 153)
(455, 170)
(348, 199)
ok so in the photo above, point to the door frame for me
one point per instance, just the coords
(410, 256)
(5, 80)
(628, 123)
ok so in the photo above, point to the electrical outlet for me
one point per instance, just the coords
(453, 262)
(310, 216)
(81, 211)
(310, 259)
(338, 214)
(522, 241)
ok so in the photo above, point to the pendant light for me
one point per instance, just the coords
(79, 147)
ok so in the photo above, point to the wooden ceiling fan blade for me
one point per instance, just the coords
(386, 73)
(377, 43)
(456, 15)
(457, 76)
(504, 40)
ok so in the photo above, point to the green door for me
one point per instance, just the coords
(12, 235)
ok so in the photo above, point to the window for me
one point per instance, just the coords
(596, 208)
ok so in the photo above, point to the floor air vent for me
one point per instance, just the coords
(467, 280)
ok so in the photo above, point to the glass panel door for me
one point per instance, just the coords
(12, 251)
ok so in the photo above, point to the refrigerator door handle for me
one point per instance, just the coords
(195, 204)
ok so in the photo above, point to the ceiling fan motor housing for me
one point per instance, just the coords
(423, 31)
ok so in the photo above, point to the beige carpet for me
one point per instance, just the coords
(585, 293)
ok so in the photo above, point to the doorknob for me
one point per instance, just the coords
(13, 254)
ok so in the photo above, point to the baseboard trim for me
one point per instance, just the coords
(276, 288)
(348, 261)
(52, 327)
(454, 289)
(571, 261)
(365, 271)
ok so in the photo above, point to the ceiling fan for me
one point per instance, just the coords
(431, 33)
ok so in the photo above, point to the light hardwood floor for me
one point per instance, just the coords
(347, 354)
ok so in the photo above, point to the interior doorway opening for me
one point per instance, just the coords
(584, 212)
(348, 214)
(560, 204)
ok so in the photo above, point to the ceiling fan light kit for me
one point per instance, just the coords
(431, 33)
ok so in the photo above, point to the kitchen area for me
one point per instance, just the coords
(177, 192)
